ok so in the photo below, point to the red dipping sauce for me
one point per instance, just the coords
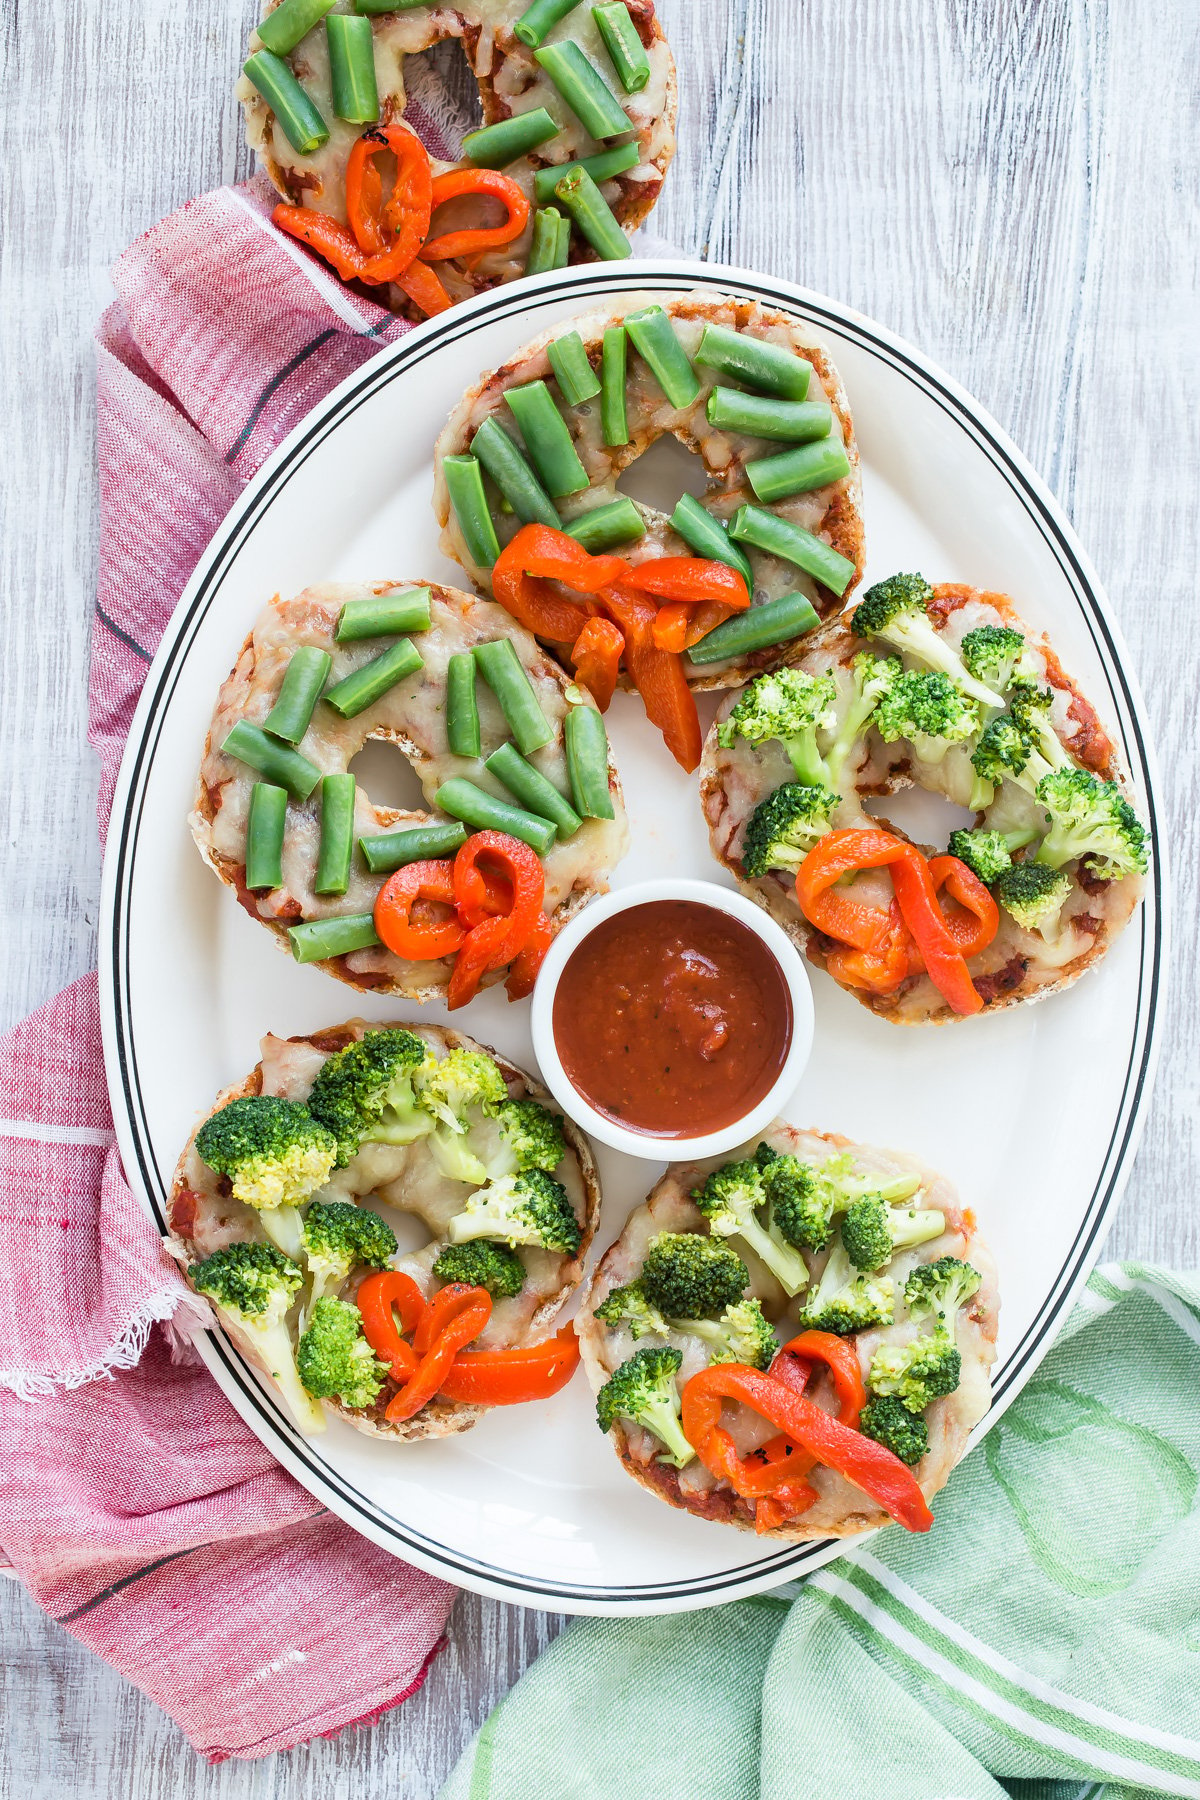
(672, 1019)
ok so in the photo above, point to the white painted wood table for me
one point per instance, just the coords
(1011, 183)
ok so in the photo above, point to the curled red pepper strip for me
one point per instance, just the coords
(538, 555)
(377, 1296)
(328, 237)
(833, 911)
(524, 972)
(975, 920)
(511, 1377)
(455, 1316)
(690, 581)
(424, 289)
(944, 963)
(490, 184)
(793, 1366)
(392, 234)
(480, 949)
(658, 675)
(670, 628)
(418, 940)
(596, 656)
(510, 884)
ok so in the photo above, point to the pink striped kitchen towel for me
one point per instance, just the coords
(136, 1506)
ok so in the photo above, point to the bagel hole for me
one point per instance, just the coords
(926, 818)
(412, 1234)
(663, 474)
(386, 776)
(442, 101)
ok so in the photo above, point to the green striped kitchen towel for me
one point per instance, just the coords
(1042, 1642)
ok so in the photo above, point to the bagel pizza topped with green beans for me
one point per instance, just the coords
(941, 688)
(795, 1340)
(284, 1210)
(578, 129)
(525, 816)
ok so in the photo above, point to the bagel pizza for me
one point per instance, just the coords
(578, 106)
(796, 1342)
(282, 1210)
(526, 816)
(941, 688)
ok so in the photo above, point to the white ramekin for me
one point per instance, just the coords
(639, 1143)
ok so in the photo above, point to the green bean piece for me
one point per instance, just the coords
(282, 29)
(577, 380)
(628, 53)
(761, 415)
(593, 216)
(545, 250)
(483, 812)
(356, 692)
(495, 146)
(385, 615)
(506, 675)
(529, 500)
(563, 253)
(393, 849)
(337, 834)
(462, 710)
(775, 622)
(387, 6)
(299, 120)
(464, 484)
(798, 471)
(306, 674)
(601, 167)
(264, 836)
(286, 767)
(547, 439)
(584, 89)
(614, 414)
(352, 68)
(766, 531)
(707, 536)
(538, 20)
(604, 527)
(769, 367)
(587, 762)
(655, 341)
(319, 939)
(531, 788)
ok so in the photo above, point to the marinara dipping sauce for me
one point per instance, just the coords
(672, 1018)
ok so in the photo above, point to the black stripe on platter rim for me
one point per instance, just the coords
(399, 359)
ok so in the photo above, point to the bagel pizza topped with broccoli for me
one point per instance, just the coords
(796, 1342)
(941, 688)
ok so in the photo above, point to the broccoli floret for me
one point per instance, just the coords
(1005, 752)
(847, 1299)
(797, 1208)
(460, 1089)
(897, 610)
(742, 1334)
(917, 1372)
(730, 1200)
(366, 1092)
(533, 1135)
(690, 1276)
(938, 1289)
(1091, 819)
(783, 828)
(334, 1358)
(339, 1237)
(873, 677)
(985, 853)
(890, 1423)
(643, 1389)
(254, 1285)
(1034, 895)
(1030, 708)
(528, 1208)
(998, 656)
(482, 1264)
(873, 1231)
(629, 1306)
(275, 1154)
(789, 706)
(925, 708)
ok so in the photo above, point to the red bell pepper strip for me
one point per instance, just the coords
(831, 909)
(512, 1377)
(418, 940)
(424, 289)
(461, 1315)
(491, 185)
(377, 1296)
(477, 956)
(516, 866)
(793, 1366)
(538, 555)
(670, 628)
(944, 962)
(705, 618)
(976, 919)
(839, 1357)
(328, 237)
(391, 234)
(690, 580)
(524, 972)
(657, 675)
(596, 656)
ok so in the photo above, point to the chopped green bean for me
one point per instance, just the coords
(394, 849)
(299, 120)
(464, 484)
(385, 615)
(506, 675)
(282, 29)
(775, 622)
(495, 146)
(601, 167)
(356, 692)
(584, 89)
(577, 380)
(547, 439)
(306, 674)
(531, 788)
(707, 536)
(761, 415)
(462, 710)
(594, 218)
(286, 767)
(352, 68)
(766, 531)
(587, 762)
(483, 812)
(604, 527)
(624, 46)
(798, 471)
(319, 939)
(387, 6)
(655, 341)
(512, 475)
(551, 241)
(761, 364)
(614, 414)
(540, 19)
(264, 836)
(337, 834)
